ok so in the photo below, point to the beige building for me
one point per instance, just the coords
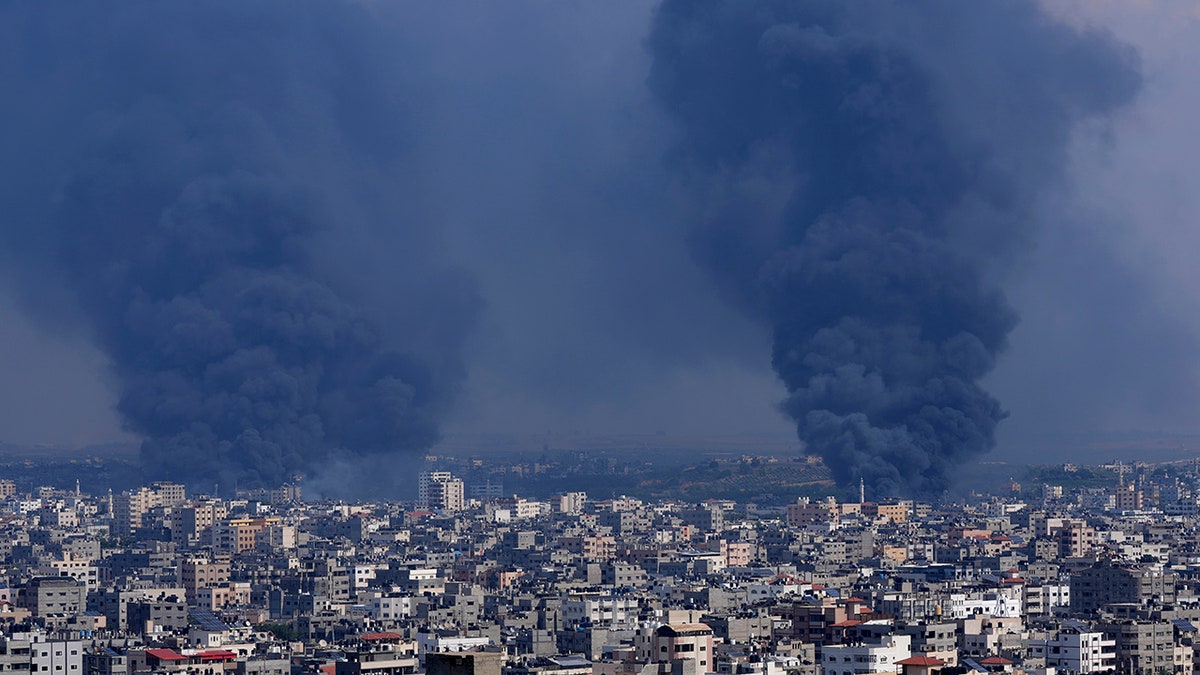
(896, 512)
(192, 525)
(1076, 538)
(462, 663)
(235, 593)
(79, 569)
(197, 573)
(806, 511)
(130, 506)
(1128, 498)
(239, 535)
(569, 502)
(169, 494)
(440, 491)
(277, 537)
(671, 642)
(591, 549)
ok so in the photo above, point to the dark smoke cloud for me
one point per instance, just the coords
(519, 141)
(194, 186)
(860, 174)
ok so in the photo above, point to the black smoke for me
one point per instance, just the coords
(860, 175)
(195, 186)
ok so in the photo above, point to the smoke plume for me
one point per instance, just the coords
(859, 176)
(194, 185)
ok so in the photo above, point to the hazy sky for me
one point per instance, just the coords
(538, 154)
(1109, 298)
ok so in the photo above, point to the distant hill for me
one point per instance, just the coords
(12, 451)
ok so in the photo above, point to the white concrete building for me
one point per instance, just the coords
(599, 610)
(440, 491)
(56, 657)
(867, 657)
(1075, 652)
(390, 607)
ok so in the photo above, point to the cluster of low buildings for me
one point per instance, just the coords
(156, 580)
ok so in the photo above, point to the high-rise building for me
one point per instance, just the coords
(170, 494)
(129, 506)
(193, 524)
(568, 502)
(440, 491)
(1105, 583)
(44, 596)
(197, 573)
(1075, 651)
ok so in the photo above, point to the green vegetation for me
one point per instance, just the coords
(282, 631)
(754, 479)
(1081, 477)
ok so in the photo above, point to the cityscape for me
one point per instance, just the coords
(652, 337)
(1098, 573)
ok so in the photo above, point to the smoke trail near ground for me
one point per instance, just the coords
(193, 185)
(859, 175)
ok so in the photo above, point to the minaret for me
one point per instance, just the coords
(862, 491)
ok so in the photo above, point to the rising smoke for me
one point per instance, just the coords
(219, 194)
(859, 176)
(193, 187)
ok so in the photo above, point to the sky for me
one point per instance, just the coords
(1108, 338)
(539, 155)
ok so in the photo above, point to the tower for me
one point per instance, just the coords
(440, 491)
